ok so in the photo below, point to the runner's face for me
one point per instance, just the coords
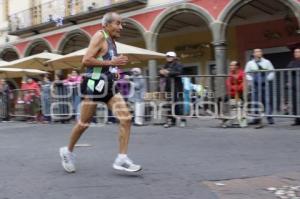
(115, 27)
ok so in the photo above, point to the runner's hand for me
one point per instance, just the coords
(120, 60)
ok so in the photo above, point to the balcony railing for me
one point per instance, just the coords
(59, 12)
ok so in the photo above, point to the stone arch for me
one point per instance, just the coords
(9, 53)
(235, 5)
(175, 10)
(37, 46)
(137, 25)
(68, 36)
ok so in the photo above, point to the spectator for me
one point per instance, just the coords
(235, 87)
(123, 85)
(73, 82)
(46, 98)
(31, 91)
(200, 98)
(4, 97)
(295, 102)
(162, 82)
(187, 88)
(139, 85)
(30, 84)
(61, 94)
(262, 84)
(235, 81)
(171, 71)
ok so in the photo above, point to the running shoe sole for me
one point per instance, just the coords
(119, 168)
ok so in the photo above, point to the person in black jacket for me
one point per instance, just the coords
(171, 72)
(295, 102)
(4, 97)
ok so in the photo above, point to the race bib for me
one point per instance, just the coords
(100, 85)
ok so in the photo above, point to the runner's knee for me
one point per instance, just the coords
(125, 120)
(83, 124)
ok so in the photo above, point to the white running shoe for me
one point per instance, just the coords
(67, 159)
(125, 164)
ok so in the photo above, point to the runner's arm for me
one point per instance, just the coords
(96, 43)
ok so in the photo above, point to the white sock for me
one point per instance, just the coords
(121, 156)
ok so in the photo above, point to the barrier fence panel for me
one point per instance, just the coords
(26, 104)
(266, 93)
(186, 96)
(4, 106)
(55, 102)
(274, 93)
(61, 102)
(61, 108)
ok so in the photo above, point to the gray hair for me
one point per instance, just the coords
(108, 18)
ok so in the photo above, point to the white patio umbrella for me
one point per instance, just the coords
(71, 60)
(32, 62)
(19, 72)
(2, 62)
(134, 54)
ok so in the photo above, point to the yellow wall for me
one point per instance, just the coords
(232, 52)
(170, 42)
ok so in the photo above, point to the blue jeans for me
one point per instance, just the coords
(263, 93)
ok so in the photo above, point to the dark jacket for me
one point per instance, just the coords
(175, 69)
(293, 65)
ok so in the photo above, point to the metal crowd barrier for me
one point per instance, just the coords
(276, 91)
(204, 98)
(270, 93)
(61, 108)
(56, 103)
(201, 98)
(26, 104)
(4, 106)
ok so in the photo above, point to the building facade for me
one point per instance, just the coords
(206, 34)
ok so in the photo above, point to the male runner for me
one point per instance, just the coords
(101, 60)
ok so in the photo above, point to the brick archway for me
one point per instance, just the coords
(235, 5)
(37, 46)
(71, 35)
(175, 10)
(9, 54)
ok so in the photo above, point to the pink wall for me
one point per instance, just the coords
(92, 29)
(146, 19)
(248, 36)
(22, 47)
(264, 35)
(54, 40)
(214, 7)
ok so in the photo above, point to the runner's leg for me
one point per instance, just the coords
(122, 163)
(88, 108)
(119, 108)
